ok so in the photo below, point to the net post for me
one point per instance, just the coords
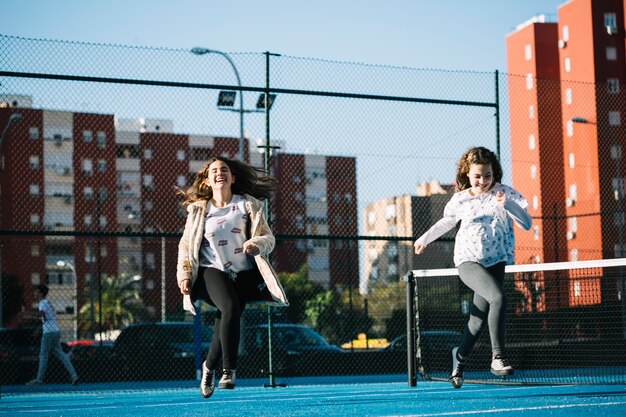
(409, 279)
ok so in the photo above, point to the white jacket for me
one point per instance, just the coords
(261, 235)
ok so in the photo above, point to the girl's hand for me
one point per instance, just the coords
(184, 287)
(500, 198)
(251, 249)
(419, 248)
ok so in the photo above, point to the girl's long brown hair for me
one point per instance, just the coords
(248, 180)
(479, 156)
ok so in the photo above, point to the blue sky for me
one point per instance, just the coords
(453, 34)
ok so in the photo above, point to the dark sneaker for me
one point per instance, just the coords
(228, 379)
(456, 377)
(207, 383)
(500, 366)
(34, 382)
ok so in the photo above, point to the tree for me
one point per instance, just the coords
(121, 304)
(298, 289)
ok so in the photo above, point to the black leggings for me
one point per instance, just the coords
(229, 296)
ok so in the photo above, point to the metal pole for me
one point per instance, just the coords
(410, 329)
(202, 51)
(497, 78)
(163, 278)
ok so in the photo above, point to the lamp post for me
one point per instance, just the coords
(204, 51)
(226, 99)
(65, 264)
(616, 154)
(13, 118)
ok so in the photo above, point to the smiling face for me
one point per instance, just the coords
(220, 177)
(480, 178)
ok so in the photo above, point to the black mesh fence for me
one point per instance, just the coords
(95, 139)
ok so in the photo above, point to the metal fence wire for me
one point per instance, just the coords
(95, 139)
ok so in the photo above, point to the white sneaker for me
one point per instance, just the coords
(456, 378)
(500, 366)
(228, 379)
(207, 383)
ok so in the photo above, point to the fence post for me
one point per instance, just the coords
(409, 279)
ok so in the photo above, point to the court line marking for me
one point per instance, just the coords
(509, 410)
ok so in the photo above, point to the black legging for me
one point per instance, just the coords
(229, 296)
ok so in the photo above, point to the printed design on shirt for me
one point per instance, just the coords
(222, 243)
(228, 265)
(236, 230)
(221, 221)
(245, 216)
(238, 250)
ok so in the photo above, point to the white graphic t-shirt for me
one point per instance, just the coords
(486, 231)
(224, 236)
(49, 317)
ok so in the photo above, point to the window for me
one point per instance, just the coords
(88, 220)
(88, 193)
(371, 218)
(150, 264)
(612, 86)
(390, 212)
(180, 180)
(531, 112)
(565, 33)
(571, 160)
(102, 221)
(531, 142)
(148, 205)
(34, 190)
(87, 167)
(529, 81)
(35, 278)
(573, 224)
(148, 182)
(528, 52)
(567, 64)
(33, 133)
(87, 136)
(573, 190)
(102, 140)
(180, 155)
(618, 187)
(147, 154)
(610, 23)
(102, 165)
(33, 161)
(533, 171)
(536, 232)
(611, 53)
(34, 250)
(569, 128)
(102, 194)
(614, 118)
(35, 219)
(568, 96)
(535, 202)
(616, 152)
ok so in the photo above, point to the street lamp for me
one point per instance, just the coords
(226, 99)
(14, 118)
(65, 264)
(203, 51)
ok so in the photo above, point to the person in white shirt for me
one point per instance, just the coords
(486, 210)
(50, 339)
(221, 256)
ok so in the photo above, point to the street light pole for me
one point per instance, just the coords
(204, 51)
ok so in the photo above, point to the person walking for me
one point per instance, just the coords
(221, 256)
(486, 210)
(50, 339)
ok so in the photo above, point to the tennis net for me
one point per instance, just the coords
(566, 323)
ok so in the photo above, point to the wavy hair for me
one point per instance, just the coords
(248, 180)
(476, 156)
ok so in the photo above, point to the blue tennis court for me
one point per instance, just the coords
(315, 397)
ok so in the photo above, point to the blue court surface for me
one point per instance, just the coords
(315, 397)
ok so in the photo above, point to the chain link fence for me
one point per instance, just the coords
(95, 138)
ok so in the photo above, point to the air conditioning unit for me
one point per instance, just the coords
(562, 44)
(569, 202)
(570, 235)
(611, 30)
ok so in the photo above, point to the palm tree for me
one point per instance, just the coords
(121, 304)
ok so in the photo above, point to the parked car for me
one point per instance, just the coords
(91, 358)
(436, 347)
(19, 357)
(296, 350)
(157, 351)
